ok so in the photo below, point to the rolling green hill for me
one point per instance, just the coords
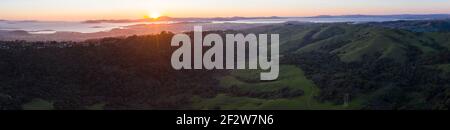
(353, 42)
(373, 67)
(299, 90)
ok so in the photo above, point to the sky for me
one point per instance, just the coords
(70, 10)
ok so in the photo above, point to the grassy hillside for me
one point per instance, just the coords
(292, 79)
(375, 68)
(354, 42)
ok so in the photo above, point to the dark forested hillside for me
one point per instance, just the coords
(324, 66)
(131, 73)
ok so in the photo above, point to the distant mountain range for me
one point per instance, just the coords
(417, 25)
(399, 16)
(198, 19)
(166, 18)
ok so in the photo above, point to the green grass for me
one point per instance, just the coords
(38, 104)
(352, 43)
(291, 77)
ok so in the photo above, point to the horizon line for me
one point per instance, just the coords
(311, 16)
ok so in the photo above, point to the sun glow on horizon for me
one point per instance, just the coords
(154, 14)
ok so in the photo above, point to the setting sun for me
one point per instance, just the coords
(154, 15)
